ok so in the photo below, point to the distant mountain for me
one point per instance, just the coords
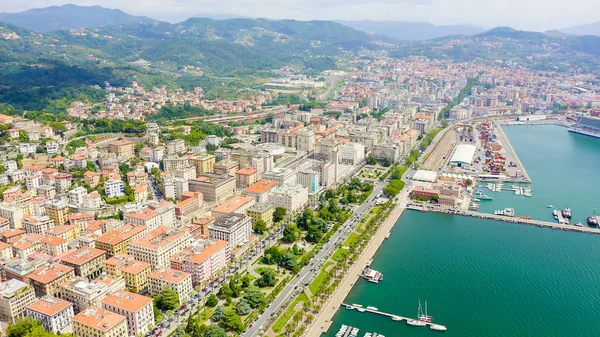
(589, 29)
(69, 17)
(504, 44)
(412, 31)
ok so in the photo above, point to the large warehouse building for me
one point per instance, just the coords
(463, 155)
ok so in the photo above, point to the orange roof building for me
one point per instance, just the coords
(238, 204)
(203, 263)
(177, 280)
(137, 308)
(88, 262)
(55, 314)
(46, 280)
(98, 322)
(260, 190)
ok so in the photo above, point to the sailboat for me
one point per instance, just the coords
(423, 317)
(418, 321)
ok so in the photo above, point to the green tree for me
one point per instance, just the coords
(260, 227)
(290, 233)
(179, 332)
(444, 123)
(168, 299)
(212, 301)
(215, 331)
(254, 296)
(245, 281)
(236, 290)
(371, 160)
(242, 307)
(22, 327)
(225, 291)
(288, 261)
(279, 213)
(387, 162)
(267, 278)
(232, 321)
(218, 314)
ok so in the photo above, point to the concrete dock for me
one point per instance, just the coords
(517, 220)
(510, 153)
(392, 316)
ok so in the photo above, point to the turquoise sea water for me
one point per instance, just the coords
(487, 278)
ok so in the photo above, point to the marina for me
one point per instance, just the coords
(422, 318)
(512, 219)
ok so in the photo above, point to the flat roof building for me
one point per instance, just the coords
(137, 308)
(98, 322)
(56, 314)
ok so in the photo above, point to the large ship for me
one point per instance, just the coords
(588, 126)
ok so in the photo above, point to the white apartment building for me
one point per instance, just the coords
(137, 308)
(52, 147)
(33, 181)
(351, 153)
(177, 280)
(84, 293)
(305, 140)
(13, 213)
(56, 314)
(281, 176)
(114, 188)
(37, 224)
(291, 197)
(233, 228)
(92, 201)
(155, 215)
(176, 146)
(15, 296)
(76, 196)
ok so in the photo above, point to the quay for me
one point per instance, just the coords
(517, 220)
(396, 318)
(510, 152)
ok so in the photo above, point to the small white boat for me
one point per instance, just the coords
(438, 327)
(415, 322)
(356, 305)
(396, 318)
(372, 308)
(349, 307)
(361, 309)
(550, 206)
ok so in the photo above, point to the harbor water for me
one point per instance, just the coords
(481, 278)
(564, 168)
(488, 278)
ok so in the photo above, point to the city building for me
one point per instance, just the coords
(260, 211)
(67, 232)
(176, 146)
(238, 204)
(88, 262)
(290, 197)
(260, 190)
(117, 241)
(53, 245)
(203, 260)
(157, 247)
(203, 163)
(351, 153)
(57, 210)
(189, 208)
(233, 228)
(15, 296)
(37, 224)
(46, 280)
(153, 216)
(13, 213)
(177, 280)
(281, 176)
(310, 179)
(98, 322)
(56, 314)
(136, 275)
(76, 196)
(122, 149)
(214, 187)
(137, 308)
(225, 167)
(245, 177)
(84, 293)
(114, 188)
(305, 140)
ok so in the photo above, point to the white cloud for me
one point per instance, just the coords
(523, 14)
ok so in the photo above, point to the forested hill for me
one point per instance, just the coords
(69, 17)
(37, 67)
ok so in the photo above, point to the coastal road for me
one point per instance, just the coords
(309, 272)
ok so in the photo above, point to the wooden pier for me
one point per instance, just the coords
(517, 220)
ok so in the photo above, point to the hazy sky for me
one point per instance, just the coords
(537, 15)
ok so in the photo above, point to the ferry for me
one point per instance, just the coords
(371, 275)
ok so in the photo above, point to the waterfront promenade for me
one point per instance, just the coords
(531, 222)
(324, 319)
